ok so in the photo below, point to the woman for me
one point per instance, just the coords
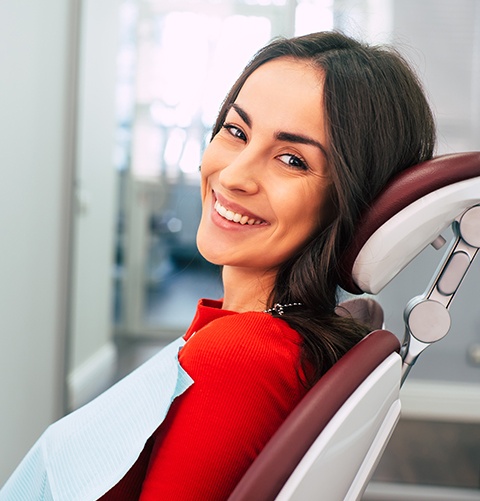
(308, 135)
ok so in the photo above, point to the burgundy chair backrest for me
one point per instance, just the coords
(273, 466)
(404, 189)
(364, 309)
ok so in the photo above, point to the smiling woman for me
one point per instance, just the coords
(310, 132)
(263, 164)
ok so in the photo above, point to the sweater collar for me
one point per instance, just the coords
(207, 310)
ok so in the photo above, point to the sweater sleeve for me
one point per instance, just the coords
(246, 373)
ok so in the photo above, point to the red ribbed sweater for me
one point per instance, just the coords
(245, 368)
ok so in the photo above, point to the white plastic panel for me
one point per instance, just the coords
(344, 455)
(407, 233)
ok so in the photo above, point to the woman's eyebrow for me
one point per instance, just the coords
(242, 113)
(301, 139)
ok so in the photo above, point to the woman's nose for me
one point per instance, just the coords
(242, 173)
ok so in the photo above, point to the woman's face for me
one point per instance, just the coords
(265, 179)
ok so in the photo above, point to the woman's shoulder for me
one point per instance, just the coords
(244, 339)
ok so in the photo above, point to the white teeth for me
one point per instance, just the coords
(220, 209)
(234, 216)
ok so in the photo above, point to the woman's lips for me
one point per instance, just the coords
(235, 213)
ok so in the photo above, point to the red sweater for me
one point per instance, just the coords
(246, 373)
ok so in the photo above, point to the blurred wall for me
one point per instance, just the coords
(92, 354)
(37, 83)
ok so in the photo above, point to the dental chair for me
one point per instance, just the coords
(328, 447)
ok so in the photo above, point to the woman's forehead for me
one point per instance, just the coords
(286, 90)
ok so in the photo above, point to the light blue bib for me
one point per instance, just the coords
(82, 456)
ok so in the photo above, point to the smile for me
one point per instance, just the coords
(235, 217)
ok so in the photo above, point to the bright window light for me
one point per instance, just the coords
(312, 16)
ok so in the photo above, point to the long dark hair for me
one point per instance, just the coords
(378, 123)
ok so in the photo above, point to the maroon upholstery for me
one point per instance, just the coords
(269, 472)
(407, 187)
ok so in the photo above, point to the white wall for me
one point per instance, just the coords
(57, 109)
(37, 61)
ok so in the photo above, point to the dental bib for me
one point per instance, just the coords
(84, 454)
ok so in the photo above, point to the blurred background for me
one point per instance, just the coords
(105, 110)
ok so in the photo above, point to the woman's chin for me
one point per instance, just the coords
(211, 259)
(210, 254)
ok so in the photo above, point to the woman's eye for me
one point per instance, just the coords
(235, 131)
(293, 161)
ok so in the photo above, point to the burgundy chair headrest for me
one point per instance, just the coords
(405, 188)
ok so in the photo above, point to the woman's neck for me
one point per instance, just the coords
(246, 290)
